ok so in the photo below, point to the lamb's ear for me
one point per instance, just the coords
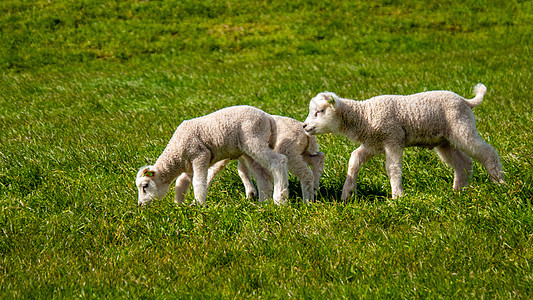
(330, 99)
(148, 173)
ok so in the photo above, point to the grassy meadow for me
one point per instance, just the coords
(92, 90)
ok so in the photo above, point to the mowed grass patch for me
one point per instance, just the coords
(92, 91)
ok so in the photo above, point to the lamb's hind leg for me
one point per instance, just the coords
(276, 164)
(256, 145)
(278, 169)
(459, 162)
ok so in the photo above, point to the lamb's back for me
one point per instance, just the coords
(224, 131)
(423, 118)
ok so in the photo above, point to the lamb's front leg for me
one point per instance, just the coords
(393, 164)
(358, 158)
(316, 161)
(182, 187)
(199, 180)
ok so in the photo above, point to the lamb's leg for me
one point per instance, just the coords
(357, 159)
(393, 164)
(459, 162)
(182, 187)
(276, 164)
(316, 161)
(244, 174)
(257, 147)
(262, 177)
(299, 168)
(200, 168)
(473, 145)
(214, 169)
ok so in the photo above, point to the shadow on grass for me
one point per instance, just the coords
(328, 192)
(370, 193)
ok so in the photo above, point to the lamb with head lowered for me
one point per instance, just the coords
(197, 144)
(387, 124)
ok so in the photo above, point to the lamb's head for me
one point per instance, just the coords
(150, 185)
(322, 115)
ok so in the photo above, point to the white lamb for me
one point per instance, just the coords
(438, 119)
(198, 143)
(301, 151)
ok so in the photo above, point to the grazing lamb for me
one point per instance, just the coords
(438, 119)
(198, 143)
(301, 151)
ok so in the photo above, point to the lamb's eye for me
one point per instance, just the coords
(319, 112)
(144, 187)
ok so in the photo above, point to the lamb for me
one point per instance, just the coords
(199, 143)
(301, 151)
(437, 119)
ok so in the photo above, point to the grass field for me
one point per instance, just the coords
(92, 90)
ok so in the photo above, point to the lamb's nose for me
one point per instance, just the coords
(305, 125)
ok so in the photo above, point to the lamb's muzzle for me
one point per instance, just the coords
(307, 128)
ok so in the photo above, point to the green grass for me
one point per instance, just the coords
(92, 90)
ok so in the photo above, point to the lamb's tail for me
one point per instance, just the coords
(313, 145)
(480, 90)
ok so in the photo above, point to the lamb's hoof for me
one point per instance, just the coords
(308, 201)
(280, 200)
(347, 194)
(251, 195)
(282, 197)
(396, 196)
